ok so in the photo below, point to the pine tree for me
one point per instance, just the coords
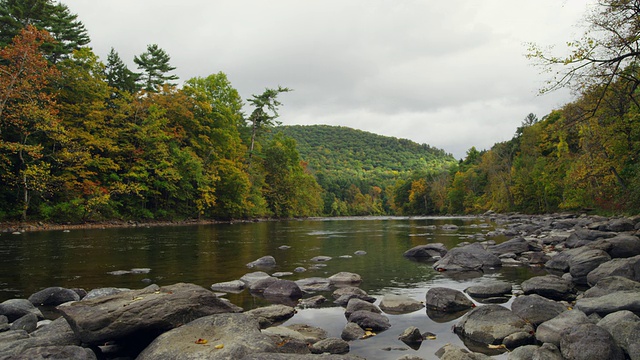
(154, 64)
(118, 74)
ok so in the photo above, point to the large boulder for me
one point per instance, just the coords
(222, 336)
(549, 286)
(53, 296)
(621, 246)
(625, 267)
(589, 341)
(582, 264)
(144, 313)
(624, 326)
(551, 330)
(471, 257)
(492, 324)
(447, 300)
(433, 251)
(536, 309)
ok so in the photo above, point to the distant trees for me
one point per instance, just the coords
(154, 64)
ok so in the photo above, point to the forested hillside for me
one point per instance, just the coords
(356, 168)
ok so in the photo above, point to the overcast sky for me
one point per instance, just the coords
(448, 73)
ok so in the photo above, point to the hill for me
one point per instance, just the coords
(347, 161)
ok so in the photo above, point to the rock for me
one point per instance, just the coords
(258, 286)
(345, 278)
(264, 262)
(411, 335)
(582, 264)
(610, 303)
(14, 309)
(147, 312)
(625, 267)
(621, 246)
(549, 286)
(399, 304)
(287, 333)
(356, 304)
(489, 290)
(312, 334)
(57, 333)
(471, 257)
(56, 352)
(433, 251)
(611, 284)
(352, 331)
(547, 351)
(27, 323)
(550, 330)
(234, 286)
(344, 294)
(536, 309)
(282, 290)
(281, 274)
(360, 252)
(491, 324)
(320, 258)
(452, 352)
(4, 323)
(312, 302)
(53, 296)
(516, 245)
(331, 346)
(314, 284)
(272, 314)
(447, 300)
(251, 278)
(620, 225)
(103, 292)
(367, 319)
(272, 356)
(624, 326)
(299, 269)
(227, 336)
(589, 341)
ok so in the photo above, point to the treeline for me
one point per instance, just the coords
(83, 140)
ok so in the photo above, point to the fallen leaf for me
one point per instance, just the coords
(501, 346)
(201, 341)
(219, 346)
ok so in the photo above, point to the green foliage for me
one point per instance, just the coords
(154, 64)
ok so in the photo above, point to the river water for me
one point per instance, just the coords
(207, 254)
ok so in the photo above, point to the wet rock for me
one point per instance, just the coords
(537, 309)
(356, 304)
(447, 300)
(331, 346)
(370, 320)
(489, 290)
(142, 313)
(471, 257)
(228, 336)
(272, 314)
(589, 341)
(491, 324)
(265, 262)
(234, 286)
(425, 252)
(53, 296)
(360, 253)
(625, 267)
(14, 309)
(549, 286)
(624, 326)
(411, 335)
(610, 303)
(399, 304)
(285, 333)
(352, 331)
(345, 278)
(550, 330)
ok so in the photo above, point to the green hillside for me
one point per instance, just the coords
(350, 163)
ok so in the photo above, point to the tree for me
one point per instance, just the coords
(118, 75)
(610, 45)
(28, 121)
(68, 33)
(154, 64)
(265, 112)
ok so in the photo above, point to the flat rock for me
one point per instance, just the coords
(490, 289)
(56, 352)
(549, 286)
(345, 278)
(330, 346)
(611, 284)
(516, 245)
(145, 312)
(582, 264)
(314, 284)
(234, 286)
(610, 303)
(251, 278)
(399, 304)
(312, 302)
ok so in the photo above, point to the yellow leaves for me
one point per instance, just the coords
(501, 346)
(219, 346)
(205, 342)
(368, 333)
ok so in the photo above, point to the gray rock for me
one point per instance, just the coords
(491, 324)
(516, 245)
(399, 304)
(272, 314)
(611, 284)
(53, 296)
(447, 300)
(27, 323)
(411, 335)
(234, 286)
(141, 312)
(345, 278)
(426, 252)
(264, 262)
(471, 257)
(610, 303)
(589, 341)
(314, 284)
(368, 319)
(490, 289)
(239, 335)
(312, 334)
(356, 304)
(281, 274)
(282, 290)
(258, 286)
(549, 286)
(624, 326)
(625, 267)
(621, 246)
(547, 351)
(321, 258)
(53, 352)
(14, 309)
(550, 330)
(312, 302)
(57, 333)
(344, 294)
(251, 278)
(582, 264)
(537, 309)
(352, 331)
(453, 352)
(620, 225)
(103, 292)
(331, 346)
(272, 356)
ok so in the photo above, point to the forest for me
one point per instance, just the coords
(86, 140)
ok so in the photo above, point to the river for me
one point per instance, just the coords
(207, 254)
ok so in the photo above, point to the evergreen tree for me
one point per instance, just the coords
(154, 64)
(118, 74)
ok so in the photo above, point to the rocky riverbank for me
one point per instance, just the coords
(586, 306)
